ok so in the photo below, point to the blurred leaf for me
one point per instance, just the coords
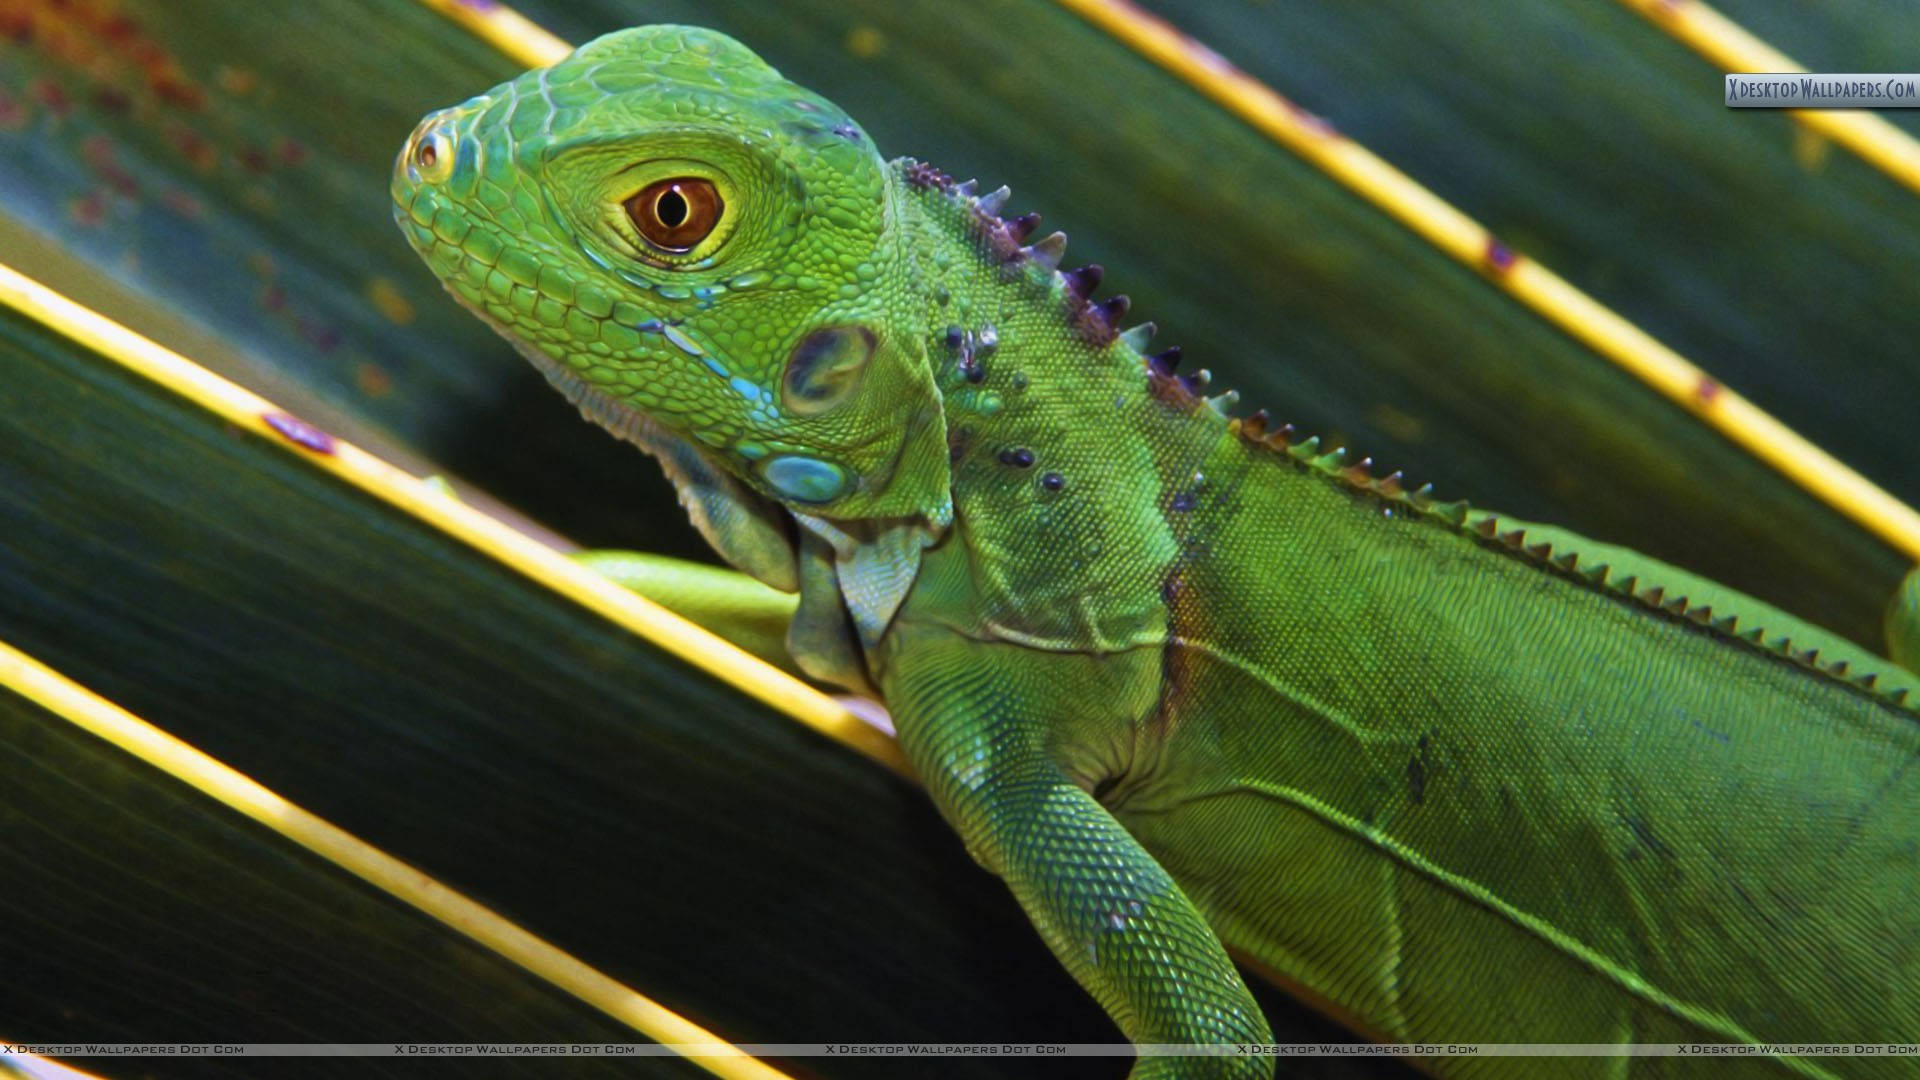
(137, 909)
(216, 171)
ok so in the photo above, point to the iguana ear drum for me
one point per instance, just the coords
(824, 368)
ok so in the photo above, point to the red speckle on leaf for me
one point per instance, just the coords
(111, 99)
(1707, 389)
(176, 91)
(16, 26)
(299, 432)
(372, 380)
(49, 93)
(97, 151)
(1500, 257)
(194, 147)
(1320, 125)
(1216, 63)
(183, 204)
(119, 28)
(318, 334)
(325, 338)
(13, 112)
(89, 209)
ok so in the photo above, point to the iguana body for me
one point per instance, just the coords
(1178, 678)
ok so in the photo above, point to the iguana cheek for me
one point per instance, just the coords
(824, 368)
(805, 479)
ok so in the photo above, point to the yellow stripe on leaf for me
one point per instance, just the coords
(86, 710)
(1729, 46)
(517, 37)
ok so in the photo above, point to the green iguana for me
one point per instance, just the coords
(1187, 683)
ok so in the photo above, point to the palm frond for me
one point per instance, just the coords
(213, 174)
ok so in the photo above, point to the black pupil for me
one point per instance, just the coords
(671, 208)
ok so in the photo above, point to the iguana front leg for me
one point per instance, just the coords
(745, 612)
(994, 731)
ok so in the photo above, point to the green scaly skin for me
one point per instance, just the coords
(1179, 679)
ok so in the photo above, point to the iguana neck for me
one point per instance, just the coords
(1061, 436)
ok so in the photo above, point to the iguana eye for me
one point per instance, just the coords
(433, 156)
(676, 214)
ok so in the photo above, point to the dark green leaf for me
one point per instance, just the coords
(216, 173)
(139, 910)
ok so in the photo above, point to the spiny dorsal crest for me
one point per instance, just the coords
(1487, 528)
(1098, 322)
(1010, 243)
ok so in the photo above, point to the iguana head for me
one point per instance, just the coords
(681, 238)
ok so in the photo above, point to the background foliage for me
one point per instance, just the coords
(213, 173)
